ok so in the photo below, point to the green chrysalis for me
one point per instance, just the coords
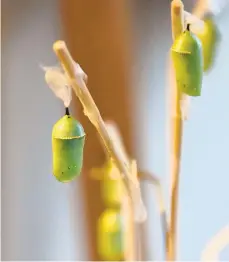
(67, 145)
(209, 38)
(111, 187)
(110, 235)
(188, 63)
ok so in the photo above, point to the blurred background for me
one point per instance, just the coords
(123, 47)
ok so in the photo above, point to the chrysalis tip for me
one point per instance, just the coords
(67, 111)
(193, 21)
(188, 27)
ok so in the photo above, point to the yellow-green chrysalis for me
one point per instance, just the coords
(111, 185)
(209, 38)
(188, 63)
(67, 145)
(110, 235)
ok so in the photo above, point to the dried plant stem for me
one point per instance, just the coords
(177, 20)
(216, 244)
(152, 179)
(92, 112)
(130, 251)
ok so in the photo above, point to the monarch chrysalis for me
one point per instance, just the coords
(110, 233)
(68, 134)
(67, 145)
(112, 185)
(188, 63)
(209, 38)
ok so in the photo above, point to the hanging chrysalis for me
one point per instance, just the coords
(111, 185)
(110, 235)
(68, 134)
(112, 189)
(188, 63)
(209, 38)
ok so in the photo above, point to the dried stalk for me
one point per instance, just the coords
(130, 240)
(150, 178)
(217, 244)
(177, 20)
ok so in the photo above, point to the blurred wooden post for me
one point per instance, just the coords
(97, 34)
